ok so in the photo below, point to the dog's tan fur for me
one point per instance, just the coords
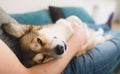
(27, 35)
(32, 51)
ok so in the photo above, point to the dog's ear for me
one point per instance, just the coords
(15, 29)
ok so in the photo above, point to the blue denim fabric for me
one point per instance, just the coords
(99, 60)
(105, 27)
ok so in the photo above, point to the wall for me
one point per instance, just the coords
(98, 9)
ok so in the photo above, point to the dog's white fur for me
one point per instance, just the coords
(63, 31)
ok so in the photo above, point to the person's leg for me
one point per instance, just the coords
(98, 60)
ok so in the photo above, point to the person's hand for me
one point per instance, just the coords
(79, 37)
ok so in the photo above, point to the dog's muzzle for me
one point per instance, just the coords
(59, 49)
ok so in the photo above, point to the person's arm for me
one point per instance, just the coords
(9, 63)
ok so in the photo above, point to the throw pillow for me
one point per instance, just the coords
(36, 17)
(56, 13)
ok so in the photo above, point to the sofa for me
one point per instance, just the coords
(48, 16)
(53, 13)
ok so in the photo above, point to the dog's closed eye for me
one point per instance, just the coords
(39, 41)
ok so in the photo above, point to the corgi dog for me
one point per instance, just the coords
(43, 43)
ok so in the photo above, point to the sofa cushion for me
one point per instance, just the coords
(36, 17)
(68, 11)
(105, 27)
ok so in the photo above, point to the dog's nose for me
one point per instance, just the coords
(59, 49)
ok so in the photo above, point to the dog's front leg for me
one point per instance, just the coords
(40, 58)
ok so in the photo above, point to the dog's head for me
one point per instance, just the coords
(40, 43)
(32, 41)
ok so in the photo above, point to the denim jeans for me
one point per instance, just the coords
(99, 60)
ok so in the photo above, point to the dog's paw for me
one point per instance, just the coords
(100, 31)
(66, 24)
(38, 58)
(63, 22)
(74, 19)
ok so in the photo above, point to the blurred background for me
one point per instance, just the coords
(98, 9)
